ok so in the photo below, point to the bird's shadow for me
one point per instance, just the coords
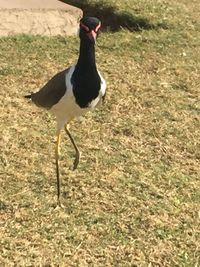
(113, 19)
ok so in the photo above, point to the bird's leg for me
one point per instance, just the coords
(77, 156)
(58, 134)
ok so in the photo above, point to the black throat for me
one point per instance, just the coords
(85, 79)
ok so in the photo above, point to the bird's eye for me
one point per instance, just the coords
(97, 28)
(83, 26)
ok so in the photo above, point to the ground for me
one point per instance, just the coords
(134, 200)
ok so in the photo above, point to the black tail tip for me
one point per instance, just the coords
(27, 96)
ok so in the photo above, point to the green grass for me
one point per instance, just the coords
(134, 200)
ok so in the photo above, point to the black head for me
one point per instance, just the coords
(89, 28)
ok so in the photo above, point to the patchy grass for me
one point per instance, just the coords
(134, 201)
(122, 14)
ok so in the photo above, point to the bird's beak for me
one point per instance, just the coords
(92, 35)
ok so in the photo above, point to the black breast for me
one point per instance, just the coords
(86, 86)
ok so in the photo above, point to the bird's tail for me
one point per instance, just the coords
(28, 96)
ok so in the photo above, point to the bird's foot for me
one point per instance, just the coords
(59, 206)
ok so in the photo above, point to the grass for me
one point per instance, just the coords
(119, 14)
(134, 201)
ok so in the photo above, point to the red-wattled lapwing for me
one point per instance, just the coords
(74, 91)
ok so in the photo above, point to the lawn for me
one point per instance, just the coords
(134, 201)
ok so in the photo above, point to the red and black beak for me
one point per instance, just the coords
(92, 34)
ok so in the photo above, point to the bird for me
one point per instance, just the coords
(73, 91)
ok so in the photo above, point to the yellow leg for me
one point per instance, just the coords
(77, 156)
(58, 134)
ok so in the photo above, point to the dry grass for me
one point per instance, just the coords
(134, 201)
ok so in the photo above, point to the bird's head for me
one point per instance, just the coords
(89, 28)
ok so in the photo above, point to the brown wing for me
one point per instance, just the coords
(51, 92)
